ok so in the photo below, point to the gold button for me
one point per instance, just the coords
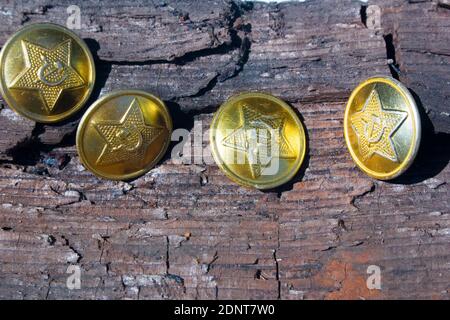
(124, 134)
(257, 140)
(382, 127)
(47, 72)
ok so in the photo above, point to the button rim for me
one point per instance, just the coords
(33, 116)
(415, 141)
(98, 103)
(228, 172)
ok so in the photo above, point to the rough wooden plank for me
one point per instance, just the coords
(185, 230)
(419, 44)
(311, 63)
(131, 31)
(295, 54)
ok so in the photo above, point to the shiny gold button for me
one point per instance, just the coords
(47, 72)
(124, 134)
(257, 140)
(382, 127)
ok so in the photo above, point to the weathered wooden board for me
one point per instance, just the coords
(186, 231)
(421, 47)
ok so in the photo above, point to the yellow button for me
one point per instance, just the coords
(257, 140)
(124, 134)
(382, 127)
(47, 72)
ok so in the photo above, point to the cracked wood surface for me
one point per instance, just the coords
(184, 230)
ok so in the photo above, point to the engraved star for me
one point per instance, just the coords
(126, 139)
(254, 138)
(374, 126)
(47, 70)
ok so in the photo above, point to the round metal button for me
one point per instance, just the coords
(257, 140)
(124, 134)
(382, 127)
(47, 72)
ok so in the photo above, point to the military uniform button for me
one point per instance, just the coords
(47, 72)
(257, 140)
(123, 134)
(382, 127)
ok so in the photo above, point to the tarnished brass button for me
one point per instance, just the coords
(47, 72)
(257, 140)
(382, 127)
(124, 134)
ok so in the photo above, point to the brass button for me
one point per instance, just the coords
(47, 72)
(257, 140)
(382, 127)
(124, 134)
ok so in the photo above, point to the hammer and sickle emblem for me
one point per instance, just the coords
(51, 74)
(130, 139)
(369, 130)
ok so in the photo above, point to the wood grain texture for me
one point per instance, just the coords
(184, 230)
(420, 48)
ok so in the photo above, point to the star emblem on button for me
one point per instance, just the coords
(261, 138)
(375, 125)
(257, 140)
(47, 70)
(382, 127)
(126, 139)
(124, 134)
